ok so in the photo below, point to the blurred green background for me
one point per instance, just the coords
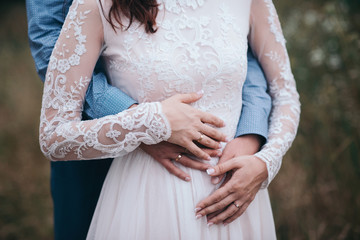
(316, 195)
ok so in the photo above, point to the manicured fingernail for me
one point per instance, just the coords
(208, 158)
(210, 224)
(225, 224)
(219, 153)
(198, 216)
(210, 171)
(197, 209)
(201, 92)
(215, 180)
(187, 179)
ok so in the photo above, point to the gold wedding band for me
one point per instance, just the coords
(178, 158)
(236, 205)
(200, 138)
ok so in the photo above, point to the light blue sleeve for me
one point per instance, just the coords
(45, 20)
(256, 105)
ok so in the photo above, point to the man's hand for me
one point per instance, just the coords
(165, 153)
(245, 173)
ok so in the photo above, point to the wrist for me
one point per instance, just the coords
(260, 167)
(134, 105)
(250, 143)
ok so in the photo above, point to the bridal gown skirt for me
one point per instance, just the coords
(141, 200)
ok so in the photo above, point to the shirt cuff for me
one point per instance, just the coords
(252, 122)
(110, 102)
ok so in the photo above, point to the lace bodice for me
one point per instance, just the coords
(199, 45)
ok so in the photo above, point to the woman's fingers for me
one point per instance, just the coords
(223, 168)
(237, 214)
(208, 142)
(211, 119)
(212, 133)
(216, 206)
(189, 97)
(224, 215)
(197, 151)
(214, 198)
(212, 215)
(213, 152)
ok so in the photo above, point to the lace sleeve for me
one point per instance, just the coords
(63, 136)
(268, 44)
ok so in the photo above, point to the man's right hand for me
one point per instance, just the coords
(166, 153)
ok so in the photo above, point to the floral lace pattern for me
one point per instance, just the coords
(178, 6)
(188, 53)
(63, 135)
(284, 118)
(199, 45)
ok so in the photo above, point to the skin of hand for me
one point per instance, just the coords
(188, 124)
(166, 152)
(245, 174)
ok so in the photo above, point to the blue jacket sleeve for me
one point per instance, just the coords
(256, 101)
(45, 20)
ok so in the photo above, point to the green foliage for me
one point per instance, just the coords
(315, 195)
(317, 184)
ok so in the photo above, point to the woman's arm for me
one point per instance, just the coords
(256, 104)
(63, 136)
(268, 43)
(45, 19)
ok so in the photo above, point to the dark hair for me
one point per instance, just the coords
(145, 11)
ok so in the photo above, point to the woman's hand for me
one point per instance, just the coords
(246, 174)
(189, 124)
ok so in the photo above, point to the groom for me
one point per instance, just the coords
(76, 185)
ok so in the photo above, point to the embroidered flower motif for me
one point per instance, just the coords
(52, 63)
(80, 49)
(63, 65)
(113, 134)
(74, 60)
(90, 138)
(127, 122)
(81, 38)
(157, 127)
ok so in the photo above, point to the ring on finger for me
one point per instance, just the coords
(236, 205)
(178, 158)
(200, 138)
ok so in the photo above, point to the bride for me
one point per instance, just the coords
(160, 53)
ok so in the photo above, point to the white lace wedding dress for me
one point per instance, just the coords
(199, 45)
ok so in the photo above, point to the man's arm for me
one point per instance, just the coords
(256, 103)
(44, 26)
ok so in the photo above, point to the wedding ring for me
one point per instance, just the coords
(178, 158)
(200, 138)
(236, 205)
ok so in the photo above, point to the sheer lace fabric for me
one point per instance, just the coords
(199, 45)
(268, 43)
(63, 136)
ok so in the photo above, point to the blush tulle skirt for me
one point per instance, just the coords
(141, 200)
